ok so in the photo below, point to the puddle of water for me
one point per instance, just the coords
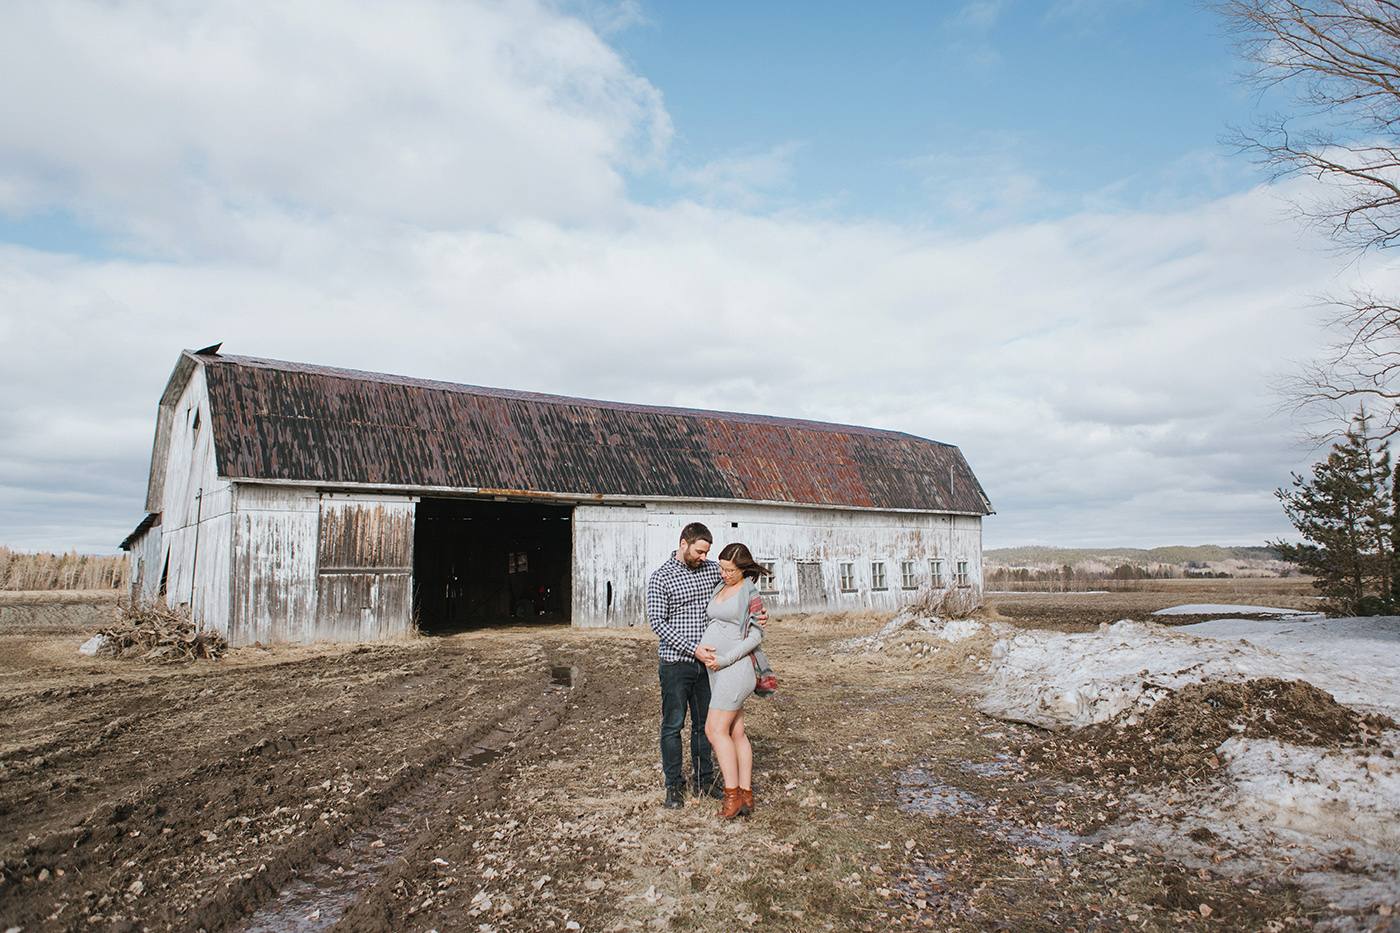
(318, 898)
(919, 792)
(920, 886)
(1000, 766)
(923, 889)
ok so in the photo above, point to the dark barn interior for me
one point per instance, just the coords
(479, 562)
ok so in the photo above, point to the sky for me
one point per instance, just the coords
(1002, 224)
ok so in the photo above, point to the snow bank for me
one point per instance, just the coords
(1212, 609)
(1323, 792)
(1332, 803)
(1056, 680)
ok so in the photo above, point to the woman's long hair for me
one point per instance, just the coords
(738, 555)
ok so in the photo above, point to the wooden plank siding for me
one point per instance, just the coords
(196, 506)
(274, 565)
(610, 566)
(364, 568)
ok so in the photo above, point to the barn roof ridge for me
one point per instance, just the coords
(296, 422)
(553, 399)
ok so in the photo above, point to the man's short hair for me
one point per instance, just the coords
(696, 532)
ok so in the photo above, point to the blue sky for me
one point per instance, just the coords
(875, 105)
(1004, 225)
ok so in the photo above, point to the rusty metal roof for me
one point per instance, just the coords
(289, 421)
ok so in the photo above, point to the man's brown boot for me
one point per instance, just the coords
(748, 800)
(733, 803)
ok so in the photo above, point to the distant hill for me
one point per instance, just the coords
(1177, 554)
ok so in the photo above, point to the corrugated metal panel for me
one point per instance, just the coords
(275, 420)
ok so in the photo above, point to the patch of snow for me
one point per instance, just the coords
(1210, 609)
(1355, 660)
(1055, 680)
(1325, 817)
(1325, 792)
(96, 646)
(958, 629)
(953, 630)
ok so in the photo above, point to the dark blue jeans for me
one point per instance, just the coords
(685, 685)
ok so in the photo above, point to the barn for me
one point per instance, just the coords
(297, 503)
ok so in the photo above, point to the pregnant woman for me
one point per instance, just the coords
(733, 633)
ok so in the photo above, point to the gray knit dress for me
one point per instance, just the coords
(731, 685)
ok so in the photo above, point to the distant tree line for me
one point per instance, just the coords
(71, 571)
(1068, 579)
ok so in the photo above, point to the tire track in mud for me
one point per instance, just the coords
(532, 845)
(200, 808)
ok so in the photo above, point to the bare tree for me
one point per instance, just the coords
(1337, 62)
(1337, 65)
(1361, 368)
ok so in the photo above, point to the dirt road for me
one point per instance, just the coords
(509, 780)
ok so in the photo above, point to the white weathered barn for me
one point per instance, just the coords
(294, 503)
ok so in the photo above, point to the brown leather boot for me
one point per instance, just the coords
(748, 801)
(733, 803)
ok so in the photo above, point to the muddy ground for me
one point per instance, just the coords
(509, 780)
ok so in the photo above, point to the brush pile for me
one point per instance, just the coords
(155, 633)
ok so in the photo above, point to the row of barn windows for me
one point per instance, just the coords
(879, 578)
(908, 575)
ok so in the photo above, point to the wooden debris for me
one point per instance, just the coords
(159, 633)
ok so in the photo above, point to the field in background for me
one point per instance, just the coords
(1138, 599)
(71, 571)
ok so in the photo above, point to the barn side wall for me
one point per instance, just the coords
(143, 556)
(312, 566)
(196, 516)
(807, 548)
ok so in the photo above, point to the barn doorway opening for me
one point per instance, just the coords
(479, 562)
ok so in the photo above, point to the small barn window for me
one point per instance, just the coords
(935, 572)
(877, 575)
(909, 577)
(960, 577)
(848, 578)
(767, 581)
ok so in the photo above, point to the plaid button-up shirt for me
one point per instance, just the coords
(676, 601)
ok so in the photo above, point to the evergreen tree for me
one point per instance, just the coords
(1346, 514)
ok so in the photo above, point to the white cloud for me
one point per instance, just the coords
(174, 121)
(740, 181)
(977, 15)
(1104, 374)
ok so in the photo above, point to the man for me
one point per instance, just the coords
(677, 593)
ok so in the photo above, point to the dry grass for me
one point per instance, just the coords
(71, 571)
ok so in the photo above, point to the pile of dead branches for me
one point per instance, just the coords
(159, 634)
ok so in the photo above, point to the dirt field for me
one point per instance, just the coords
(509, 780)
